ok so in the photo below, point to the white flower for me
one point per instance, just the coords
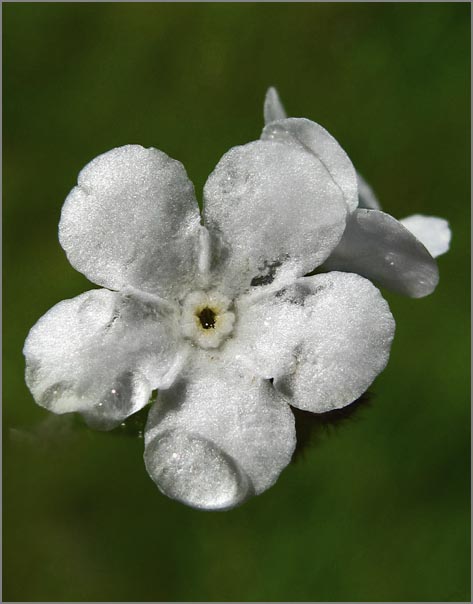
(220, 318)
(374, 245)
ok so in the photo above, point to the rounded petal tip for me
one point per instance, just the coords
(194, 471)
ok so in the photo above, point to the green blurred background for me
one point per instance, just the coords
(378, 510)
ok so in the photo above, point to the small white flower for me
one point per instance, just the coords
(220, 318)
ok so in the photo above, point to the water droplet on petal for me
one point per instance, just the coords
(118, 397)
(195, 471)
(56, 396)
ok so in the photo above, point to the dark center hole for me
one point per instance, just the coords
(207, 318)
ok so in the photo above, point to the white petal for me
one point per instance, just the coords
(193, 470)
(434, 233)
(366, 197)
(277, 211)
(204, 256)
(323, 340)
(218, 436)
(101, 354)
(273, 108)
(311, 137)
(133, 221)
(378, 247)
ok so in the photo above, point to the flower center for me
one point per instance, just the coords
(206, 318)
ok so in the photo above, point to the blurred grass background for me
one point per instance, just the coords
(380, 509)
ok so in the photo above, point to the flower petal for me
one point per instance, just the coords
(193, 470)
(366, 197)
(378, 247)
(323, 340)
(101, 354)
(218, 436)
(434, 233)
(277, 211)
(133, 220)
(273, 108)
(311, 137)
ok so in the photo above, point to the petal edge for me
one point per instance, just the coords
(377, 246)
